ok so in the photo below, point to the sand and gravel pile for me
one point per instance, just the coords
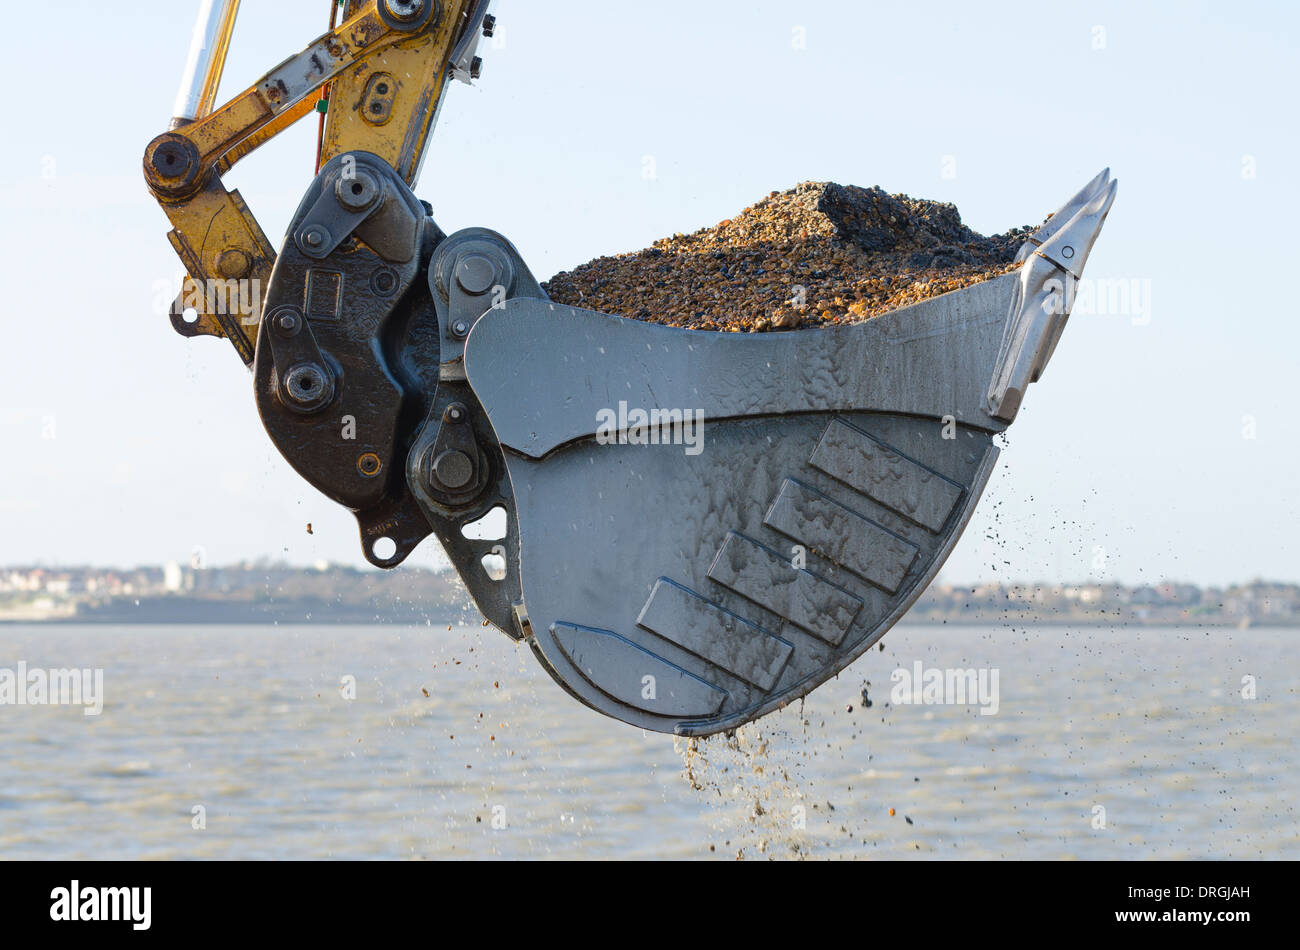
(819, 254)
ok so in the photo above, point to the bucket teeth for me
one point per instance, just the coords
(1042, 305)
(1063, 214)
(1069, 247)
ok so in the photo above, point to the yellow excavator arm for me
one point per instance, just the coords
(385, 68)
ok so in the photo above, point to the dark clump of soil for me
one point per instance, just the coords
(818, 254)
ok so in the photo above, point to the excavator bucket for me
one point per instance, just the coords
(710, 525)
(699, 527)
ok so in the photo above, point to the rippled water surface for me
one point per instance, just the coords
(1107, 743)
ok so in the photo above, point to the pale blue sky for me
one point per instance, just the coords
(1132, 444)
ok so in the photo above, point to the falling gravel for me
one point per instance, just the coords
(819, 254)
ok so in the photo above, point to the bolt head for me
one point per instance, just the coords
(476, 273)
(172, 164)
(384, 281)
(170, 161)
(308, 387)
(404, 9)
(233, 263)
(357, 193)
(454, 469)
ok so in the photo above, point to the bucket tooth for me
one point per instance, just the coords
(1041, 305)
(1068, 248)
(1064, 214)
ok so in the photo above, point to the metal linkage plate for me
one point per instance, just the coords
(455, 469)
(347, 357)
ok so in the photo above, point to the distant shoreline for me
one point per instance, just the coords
(332, 595)
(346, 597)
